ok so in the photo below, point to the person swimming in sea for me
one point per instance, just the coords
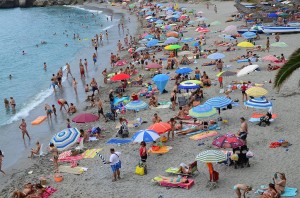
(10, 76)
(23, 52)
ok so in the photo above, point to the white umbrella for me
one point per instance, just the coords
(247, 70)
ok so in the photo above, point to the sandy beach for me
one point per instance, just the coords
(96, 181)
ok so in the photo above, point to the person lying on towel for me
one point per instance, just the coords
(182, 114)
(175, 180)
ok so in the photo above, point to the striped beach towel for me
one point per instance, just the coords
(91, 153)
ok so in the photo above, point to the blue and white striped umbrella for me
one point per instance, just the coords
(136, 105)
(216, 56)
(65, 138)
(145, 135)
(258, 103)
(219, 102)
(249, 35)
(183, 70)
(188, 85)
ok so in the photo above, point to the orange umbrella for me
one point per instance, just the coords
(161, 127)
(172, 34)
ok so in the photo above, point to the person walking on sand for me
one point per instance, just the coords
(54, 151)
(12, 103)
(100, 109)
(45, 66)
(82, 72)
(48, 111)
(68, 68)
(173, 100)
(268, 44)
(23, 127)
(94, 58)
(243, 89)
(68, 123)
(115, 164)
(74, 84)
(216, 9)
(106, 34)
(1, 159)
(104, 73)
(241, 187)
(243, 131)
(172, 122)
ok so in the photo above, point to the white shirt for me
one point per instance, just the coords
(114, 158)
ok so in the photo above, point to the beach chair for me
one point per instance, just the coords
(41, 153)
(175, 171)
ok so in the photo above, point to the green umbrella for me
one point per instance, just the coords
(172, 47)
(279, 44)
(131, 5)
(215, 23)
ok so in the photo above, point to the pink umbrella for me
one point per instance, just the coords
(270, 58)
(202, 30)
(85, 117)
(154, 66)
(231, 29)
(121, 63)
(229, 140)
(182, 18)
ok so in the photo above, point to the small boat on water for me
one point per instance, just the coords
(279, 29)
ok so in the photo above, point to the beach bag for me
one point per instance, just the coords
(249, 154)
(139, 170)
(234, 157)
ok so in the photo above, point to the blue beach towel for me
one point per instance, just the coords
(118, 141)
(288, 192)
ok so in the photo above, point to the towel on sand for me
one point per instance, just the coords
(91, 153)
(66, 157)
(67, 169)
(288, 192)
(161, 150)
(164, 105)
(118, 141)
(48, 192)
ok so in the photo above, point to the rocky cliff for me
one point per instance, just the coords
(37, 3)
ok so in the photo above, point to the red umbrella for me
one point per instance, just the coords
(161, 127)
(229, 140)
(85, 117)
(119, 77)
(202, 30)
(154, 66)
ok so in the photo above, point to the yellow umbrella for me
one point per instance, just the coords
(245, 44)
(197, 82)
(256, 92)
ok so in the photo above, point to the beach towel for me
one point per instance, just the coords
(210, 128)
(204, 135)
(288, 192)
(64, 154)
(258, 115)
(48, 192)
(162, 182)
(161, 150)
(67, 169)
(118, 141)
(164, 105)
(91, 153)
(70, 158)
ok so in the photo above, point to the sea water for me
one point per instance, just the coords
(26, 30)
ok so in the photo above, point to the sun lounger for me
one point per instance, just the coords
(162, 182)
(176, 171)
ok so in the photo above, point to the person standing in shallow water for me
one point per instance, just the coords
(23, 127)
(6, 103)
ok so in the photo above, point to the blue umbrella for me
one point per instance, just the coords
(65, 138)
(187, 40)
(258, 103)
(183, 70)
(149, 13)
(159, 21)
(149, 36)
(219, 102)
(117, 100)
(216, 56)
(152, 43)
(152, 20)
(161, 81)
(249, 35)
(272, 15)
(136, 105)
(202, 111)
(196, 44)
(188, 85)
(171, 40)
(145, 135)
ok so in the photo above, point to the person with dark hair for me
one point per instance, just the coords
(115, 164)
(270, 192)
(1, 159)
(243, 131)
(54, 151)
(172, 122)
(143, 152)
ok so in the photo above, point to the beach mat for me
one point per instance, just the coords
(204, 135)
(67, 169)
(48, 192)
(118, 141)
(288, 192)
(91, 153)
(164, 105)
(161, 150)
(258, 115)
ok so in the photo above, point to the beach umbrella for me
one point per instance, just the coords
(172, 47)
(270, 58)
(131, 6)
(118, 100)
(202, 30)
(215, 23)
(229, 140)
(245, 44)
(85, 118)
(149, 17)
(172, 34)
(149, 36)
(183, 70)
(182, 53)
(279, 44)
(65, 139)
(196, 44)
(159, 21)
(160, 128)
(149, 13)
(258, 103)
(218, 102)
(182, 17)
(216, 56)
(231, 29)
(198, 82)
(249, 35)
(121, 63)
(211, 156)
(136, 105)
(226, 73)
(272, 15)
(119, 77)
(188, 85)
(154, 66)
(256, 92)
(166, 27)
(145, 135)
(171, 40)
(227, 37)
(140, 49)
(143, 41)
(283, 14)
(186, 40)
(247, 70)
(152, 20)
(161, 81)
(202, 111)
(152, 43)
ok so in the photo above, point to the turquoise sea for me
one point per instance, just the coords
(24, 29)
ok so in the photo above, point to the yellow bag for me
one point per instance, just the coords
(234, 157)
(139, 170)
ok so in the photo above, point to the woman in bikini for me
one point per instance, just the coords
(173, 99)
(28, 189)
(48, 110)
(54, 151)
(172, 122)
(23, 128)
(270, 192)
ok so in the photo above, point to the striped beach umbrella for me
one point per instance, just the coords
(211, 156)
(202, 111)
(136, 105)
(229, 140)
(183, 70)
(65, 138)
(256, 92)
(161, 127)
(218, 102)
(145, 135)
(188, 85)
(258, 103)
(198, 82)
